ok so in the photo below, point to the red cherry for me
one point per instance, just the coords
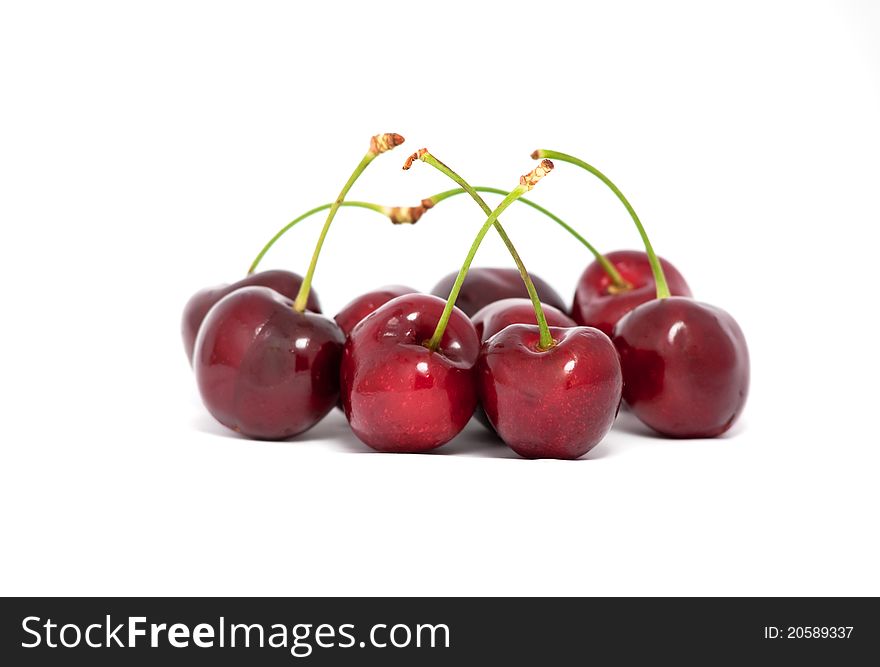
(398, 395)
(685, 367)
(264, 369)
(361, 306)
(556, 403)
(283, 282)
(491, 319)
(597, 304)
(486, 285)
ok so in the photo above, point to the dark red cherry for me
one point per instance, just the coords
(491, 319)
(264, 369)
(598, 304)
(685, 367)
(556, 403)
(398, 395)
(485, 285)
(358, 308)
(283, 282)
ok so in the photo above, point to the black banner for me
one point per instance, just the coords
(437, 631)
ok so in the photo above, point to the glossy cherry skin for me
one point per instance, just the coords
(685, 367)
(399, 396)
(491, 319)
(283, 282)
(264, 369)
(557, 403)
(358, 308)
(597, 305)
(483, 286)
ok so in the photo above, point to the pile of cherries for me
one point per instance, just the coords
(409, 369)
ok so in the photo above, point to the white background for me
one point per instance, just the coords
(149, 149)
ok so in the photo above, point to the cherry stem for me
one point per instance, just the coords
(384, 210)
(378, 145)
(527, 182)
(409, 215)
(546, 339)
(656, 268)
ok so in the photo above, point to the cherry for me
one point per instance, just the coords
(361, 306)
(265, 370)
(487, 285)
(283, 282)
(557, 402)
(686, 367)
(491, 319)
(264, 365)
(399, 395)
(599, 303)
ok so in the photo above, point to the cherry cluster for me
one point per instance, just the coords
(410, 369)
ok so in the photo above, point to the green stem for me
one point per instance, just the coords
(512, 196)
(302, 296)
(609, 268)
(384, 210)
(546, 339)
(656, 269)
(618, 280)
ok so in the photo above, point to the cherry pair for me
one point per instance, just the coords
(685, 363)
(266, 361)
